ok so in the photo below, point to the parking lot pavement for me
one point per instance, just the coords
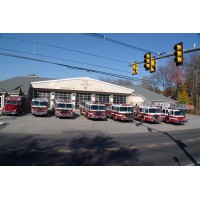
(29, 124)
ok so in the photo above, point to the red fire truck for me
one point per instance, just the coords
(63, 109)
(148, 114)
(173, 116)
(95, 111)
(14, 105)
(39, 106)
(121, 112)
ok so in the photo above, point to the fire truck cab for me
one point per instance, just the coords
(121, 112)
(63, 109)
(149, 114)
(164, 114)
(14, 105)
(39, 106)
(95, 111)
(174, 116)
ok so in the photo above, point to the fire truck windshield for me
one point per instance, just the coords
(126, 109)
(64, 105)
(12, 102)
(94, 107)
(178, 113)
(60, 105)
(154, 110)
(98, 107)
(102, 107)
(39, 103)
(68, 105)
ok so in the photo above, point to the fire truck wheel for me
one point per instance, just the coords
(142, 119)
(167, 121)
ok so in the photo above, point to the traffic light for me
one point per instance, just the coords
(178, 54)
(147, 61)
(134, 68)
(153, 66)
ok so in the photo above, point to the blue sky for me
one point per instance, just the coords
(11, 67)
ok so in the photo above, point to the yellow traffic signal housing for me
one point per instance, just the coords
(178, 54)
(147, 61)
(134, 69)
(153, 66)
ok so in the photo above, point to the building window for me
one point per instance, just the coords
(41, 94)
(82, 97)
(63, 95)
(119, 99)
(104, 98)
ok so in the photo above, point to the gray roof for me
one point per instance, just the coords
(149, 95)
(13, 85)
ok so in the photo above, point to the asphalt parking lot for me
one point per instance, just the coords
(49, 141)
(29, 124)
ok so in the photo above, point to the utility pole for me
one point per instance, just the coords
(177, 92)
(33, 58)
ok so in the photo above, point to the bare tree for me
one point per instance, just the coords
(167, 78)
(121, 82)
(148, 83)
(162, 78)
(193, 80)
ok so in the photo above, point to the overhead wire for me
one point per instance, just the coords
(96, 35)
(63, 48)
(100, 36)
(41, 55)
(90, 70)
(84, 69)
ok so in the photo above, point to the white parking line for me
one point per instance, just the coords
(64, 151)
(112, 149)
(167, 143)
(190, 140)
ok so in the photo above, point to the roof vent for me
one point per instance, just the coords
(33, 75)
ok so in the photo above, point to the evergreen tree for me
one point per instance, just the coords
(21, 93)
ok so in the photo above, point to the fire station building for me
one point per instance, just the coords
(82, 89)
(77, 90)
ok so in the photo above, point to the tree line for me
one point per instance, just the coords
(179, 83)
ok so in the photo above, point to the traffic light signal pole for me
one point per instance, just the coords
(172, 54)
